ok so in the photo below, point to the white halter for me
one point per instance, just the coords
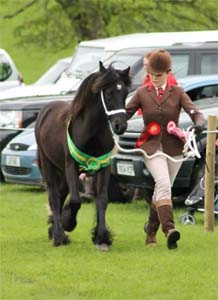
(110, 112)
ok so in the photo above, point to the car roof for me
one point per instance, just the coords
(2, 51)
(154, 39)
(194, 81)
(65, 59)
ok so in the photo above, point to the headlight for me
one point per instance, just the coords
(11, 119)
(32, 147)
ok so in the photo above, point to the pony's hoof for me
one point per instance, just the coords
(103, 247)
(64, 241)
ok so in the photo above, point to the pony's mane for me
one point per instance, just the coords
(92, 84)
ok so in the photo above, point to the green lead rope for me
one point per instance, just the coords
(86, 162)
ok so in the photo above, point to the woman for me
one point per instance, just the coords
(162, 108)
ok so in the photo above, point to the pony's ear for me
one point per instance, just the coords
(125, 76)
(126, 71)
(101, 67)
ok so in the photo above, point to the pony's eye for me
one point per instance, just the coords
(119, 86)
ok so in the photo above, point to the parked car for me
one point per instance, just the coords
(130, 169)
(188, 58)
(9, 74)
(19, 160)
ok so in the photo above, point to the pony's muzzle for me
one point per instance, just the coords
(119, 123)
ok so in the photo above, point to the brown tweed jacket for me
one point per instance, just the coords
(168, 109)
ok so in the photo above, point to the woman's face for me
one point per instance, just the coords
(158, 78)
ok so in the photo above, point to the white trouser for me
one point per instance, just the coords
(164, 172)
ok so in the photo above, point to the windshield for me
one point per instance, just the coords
(123, 59)
(85, 60)
(5, 68)
(53, 74)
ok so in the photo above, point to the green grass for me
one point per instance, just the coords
(32, 269)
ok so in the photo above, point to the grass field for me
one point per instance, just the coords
(32, 269)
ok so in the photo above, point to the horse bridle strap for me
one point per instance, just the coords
(110, 112)
(86, 162)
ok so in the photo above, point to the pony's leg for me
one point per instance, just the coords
(68, 215)
(70, 211)
(56, 232)
(63, 192)
(53, 180)
(101, 236)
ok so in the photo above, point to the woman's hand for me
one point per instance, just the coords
(198, 128)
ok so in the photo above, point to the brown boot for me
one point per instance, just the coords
(151, 227)
(165, 214)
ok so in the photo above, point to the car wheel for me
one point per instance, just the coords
(187, 219)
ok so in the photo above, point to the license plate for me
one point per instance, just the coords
(13, 161)
(125, 168)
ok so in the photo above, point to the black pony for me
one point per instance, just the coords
(76, 137)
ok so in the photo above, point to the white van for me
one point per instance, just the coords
(88, 53)
(108, 46)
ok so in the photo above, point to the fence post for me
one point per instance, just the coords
(209, 175)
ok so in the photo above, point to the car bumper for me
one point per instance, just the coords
(21, 167)
(131, 170)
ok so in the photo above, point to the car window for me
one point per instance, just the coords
(5, 68)
(132, 57)
(209, 91)
(209, 63)
(124, 59)
(180, 64)
(84, 61)
(139, 77)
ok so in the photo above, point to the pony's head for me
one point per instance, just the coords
(106, 92)
(113, 88)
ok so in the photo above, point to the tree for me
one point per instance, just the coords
(59, 21)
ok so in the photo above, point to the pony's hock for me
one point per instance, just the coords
(99, 99)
